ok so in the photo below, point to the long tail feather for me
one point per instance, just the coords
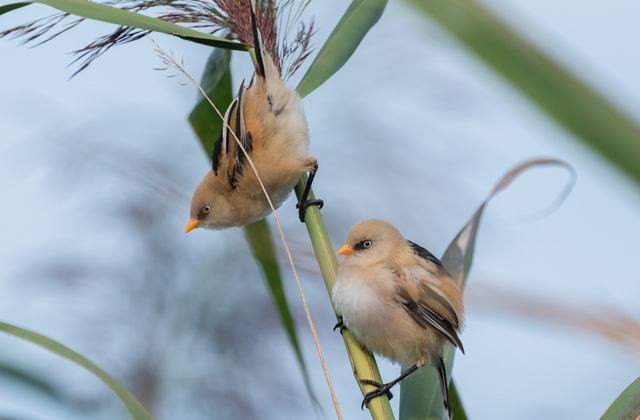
(442, 375)
(258, 44)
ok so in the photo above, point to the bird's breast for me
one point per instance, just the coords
(359, 304)
(365, 311)
(379, 323)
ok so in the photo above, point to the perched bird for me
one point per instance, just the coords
(269, 121)
(398, 301)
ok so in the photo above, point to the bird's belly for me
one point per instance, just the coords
(260, 207)
(280, 194)
(383, 327)
(379, 326)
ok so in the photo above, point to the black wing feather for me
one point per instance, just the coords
(240, 132)
(423, 253)
(432, 294)
(426, 317)
(422, 314)
(217, 153)
(235, 156)
(226, 130)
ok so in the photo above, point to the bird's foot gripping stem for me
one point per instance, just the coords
(305, 203)
(381, 390)
(340, 325)
(384, 388)
(302, 207)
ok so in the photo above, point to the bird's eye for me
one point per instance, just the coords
(367, 244)
(206, 209)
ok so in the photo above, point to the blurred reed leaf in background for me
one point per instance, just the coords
(626, 406)
(546, 83)
(133, 406)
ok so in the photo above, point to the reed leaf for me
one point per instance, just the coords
(133, 406)
(626, 406)
(341, 44)
(565, 98)
(420, 397)
(103, 13)
(216, 81)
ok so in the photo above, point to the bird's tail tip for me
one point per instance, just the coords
(258, 43)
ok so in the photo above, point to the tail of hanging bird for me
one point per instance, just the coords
(265, 67)
(280, 99)
(234, 117)
(258, 44)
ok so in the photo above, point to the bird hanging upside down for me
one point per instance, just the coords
(398, 301)
(269, 121)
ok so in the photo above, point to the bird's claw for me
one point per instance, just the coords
(304, 205)
(381, 389)
(340, 325)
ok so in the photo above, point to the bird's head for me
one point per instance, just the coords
(209, 207)
(371, 241)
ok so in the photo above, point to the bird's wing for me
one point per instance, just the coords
(425, 254)
(216, 157)
(431, 296)
(233, 154)
(428, 307)
(226, 148)
(430, 289)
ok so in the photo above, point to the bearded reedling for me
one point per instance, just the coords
(398, 301)
(269, 121)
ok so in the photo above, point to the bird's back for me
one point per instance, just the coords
(275, 118)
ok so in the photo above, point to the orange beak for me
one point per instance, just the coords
(345, 250)
(193, 223)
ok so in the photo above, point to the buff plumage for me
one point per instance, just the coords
(269, 121)
(397, 300)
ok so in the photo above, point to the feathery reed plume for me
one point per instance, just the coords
(210, 16)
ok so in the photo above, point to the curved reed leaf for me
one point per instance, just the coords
(626, 406)
(343, 41)
(261, 243)
(420, 396)
(133, 406)
(456, 402)
(103, 13)
(216, 81)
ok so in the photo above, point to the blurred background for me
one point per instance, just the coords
(98, 171)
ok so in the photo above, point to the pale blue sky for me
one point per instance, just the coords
(414, 130)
